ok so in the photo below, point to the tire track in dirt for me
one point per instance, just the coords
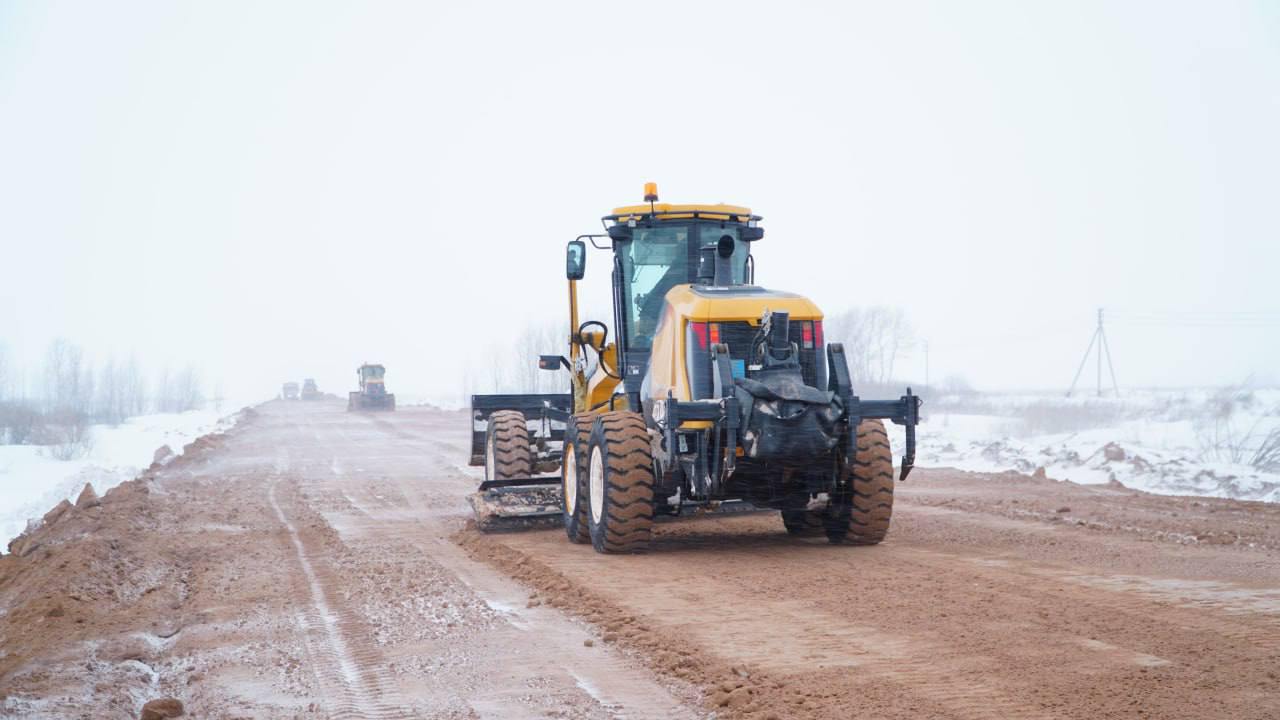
(391, 517)
(348, 673)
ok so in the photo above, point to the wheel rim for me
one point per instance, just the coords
(597, 485)
(570, 475)
(490, 463)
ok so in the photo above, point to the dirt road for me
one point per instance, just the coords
(314, 563)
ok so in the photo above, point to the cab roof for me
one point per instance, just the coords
(670, 211)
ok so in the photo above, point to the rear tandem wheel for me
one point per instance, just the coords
(506, 447)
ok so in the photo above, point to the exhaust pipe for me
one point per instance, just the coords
(715, 264)
(724, 268)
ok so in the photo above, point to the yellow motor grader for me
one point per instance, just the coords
(372, 394)
(712, 390)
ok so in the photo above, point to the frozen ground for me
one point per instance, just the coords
(1196, 442)
(32, 482)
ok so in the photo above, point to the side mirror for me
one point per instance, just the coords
(552, 362)
(575, 265)
(751, 234)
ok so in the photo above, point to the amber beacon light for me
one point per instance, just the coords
(651, 192)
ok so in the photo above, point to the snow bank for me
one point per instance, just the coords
(1168, 443)
(1156, 441)
(32, 482)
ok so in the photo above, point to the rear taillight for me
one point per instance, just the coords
(700, 333)
(817, 333)
(706, 334)
(806, 334)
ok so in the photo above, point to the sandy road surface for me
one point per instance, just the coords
(299, 568)
(314, 564)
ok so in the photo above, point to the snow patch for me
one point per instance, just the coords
(1153, 441)
(31, 483)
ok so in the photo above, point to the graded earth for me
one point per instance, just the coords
(315, 563)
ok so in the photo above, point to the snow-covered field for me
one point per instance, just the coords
(32, 482)
(1167, 442)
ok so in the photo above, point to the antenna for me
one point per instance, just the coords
(1100, 339)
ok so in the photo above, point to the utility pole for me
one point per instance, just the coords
(1100, 339)
(1100, 354)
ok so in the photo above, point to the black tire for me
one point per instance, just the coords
(506, 447)
(862, 501)
(620, 483)
(803, 522)
(573, 471)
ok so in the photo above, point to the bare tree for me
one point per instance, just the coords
(1225, 433)
(111, 405)
(6, 372)
(133, 390)
(542, 339)
(68, 378)
(1267, 457)
(874, 339)
(162, 391)
(66, 435)
(68, 400)
(188, 392)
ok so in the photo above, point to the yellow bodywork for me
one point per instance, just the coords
(667, 371)
(592, 393)
(601, 386)
(669, 211)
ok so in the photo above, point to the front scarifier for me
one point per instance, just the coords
(707, 392)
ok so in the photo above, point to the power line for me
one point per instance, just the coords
(1199, 318)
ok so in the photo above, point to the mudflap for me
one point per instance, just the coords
(507, 506)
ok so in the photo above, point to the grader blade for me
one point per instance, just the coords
(512, 505)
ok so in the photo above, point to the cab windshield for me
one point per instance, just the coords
(659, 258)
(373, 372)
(653, 261)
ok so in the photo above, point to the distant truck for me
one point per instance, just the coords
(290, 391)
(309, 390)
(372, 394)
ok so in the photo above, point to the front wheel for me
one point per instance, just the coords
(573, 474)
(862, 501)
(620, 483)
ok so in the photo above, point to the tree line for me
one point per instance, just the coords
(56, 403)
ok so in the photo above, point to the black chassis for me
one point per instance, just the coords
(710, 469)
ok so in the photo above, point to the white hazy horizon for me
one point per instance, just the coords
(273, 191)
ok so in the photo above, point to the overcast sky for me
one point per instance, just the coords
(279, 190)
